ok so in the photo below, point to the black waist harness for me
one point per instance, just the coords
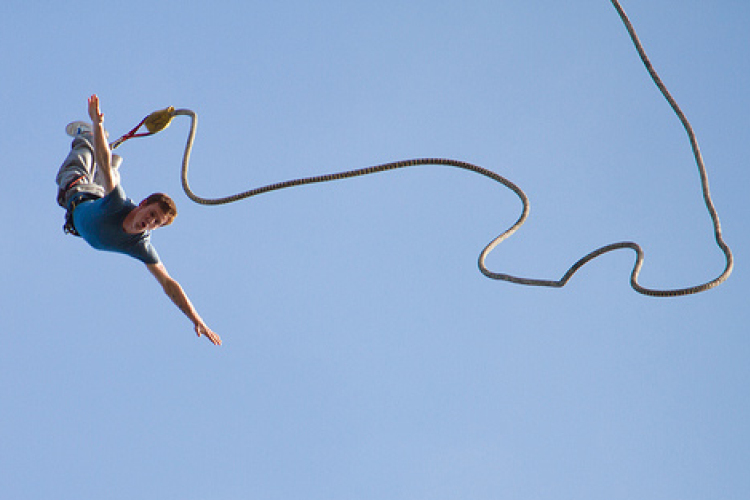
(69, 226)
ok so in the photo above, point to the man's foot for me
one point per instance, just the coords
(78, 127)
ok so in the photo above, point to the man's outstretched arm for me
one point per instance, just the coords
(102, 153)
(175, 292)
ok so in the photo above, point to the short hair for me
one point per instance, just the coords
(166, 204)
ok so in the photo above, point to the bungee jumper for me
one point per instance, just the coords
(97, 209)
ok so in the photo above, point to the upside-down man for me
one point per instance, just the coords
(98, 210)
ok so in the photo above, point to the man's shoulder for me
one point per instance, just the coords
(117, 197)
(117, 193)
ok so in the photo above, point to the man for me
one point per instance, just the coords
(99, 212)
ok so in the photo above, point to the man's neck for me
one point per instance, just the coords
(127, 223)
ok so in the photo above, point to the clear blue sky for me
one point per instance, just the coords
(365, 356)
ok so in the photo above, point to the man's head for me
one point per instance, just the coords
(156, 211)
(165, 204)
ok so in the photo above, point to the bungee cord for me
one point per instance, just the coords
(160, 120)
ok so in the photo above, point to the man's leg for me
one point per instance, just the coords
(78, 169)
(116, 162)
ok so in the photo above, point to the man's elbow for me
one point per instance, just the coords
(172, 288)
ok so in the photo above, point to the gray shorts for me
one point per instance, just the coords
(79, 166)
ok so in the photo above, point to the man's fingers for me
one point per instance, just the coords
(213, 338)
(210, 335)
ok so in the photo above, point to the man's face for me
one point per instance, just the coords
(147, 218)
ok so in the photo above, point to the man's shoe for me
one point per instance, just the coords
(78, 127)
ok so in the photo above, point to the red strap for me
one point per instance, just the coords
(130, 135)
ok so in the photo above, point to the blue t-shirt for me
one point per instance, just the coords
(99, 222)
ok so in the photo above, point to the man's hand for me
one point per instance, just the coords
(94, 113)
(202, 329)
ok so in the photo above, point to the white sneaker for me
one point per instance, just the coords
(78, 127)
